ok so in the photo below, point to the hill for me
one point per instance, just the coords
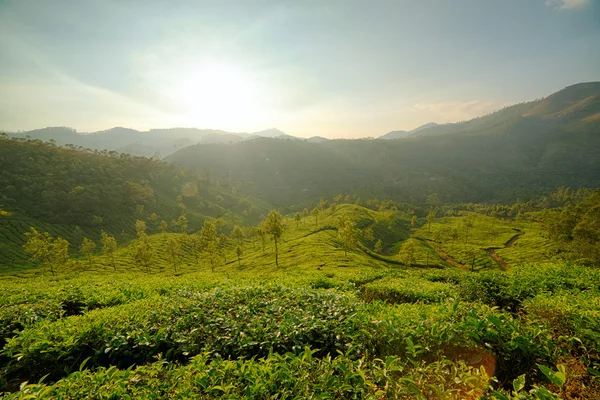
(152, 143)
(78, 193)
(514, 153)
(403, 134)
(328, 311)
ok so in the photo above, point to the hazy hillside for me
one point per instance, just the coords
(155, 142)
(518, 152)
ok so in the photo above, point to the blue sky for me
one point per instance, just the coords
(331, 68)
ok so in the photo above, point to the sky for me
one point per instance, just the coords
(333, 68)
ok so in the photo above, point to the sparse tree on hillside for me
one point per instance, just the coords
(87, 248)
(154, 218)
(223, 242)
(109, 247)
(472, 254)
(413, 221)
(263, 235)
(238, 252)
(378, 246)
(182, 223)
(297, 217)
(467, 223)
(238, 234)
(323, 204)
(368, 235)
(348, 234)
(140, 228)
(195, 243)
(407, 252)
(454, 235)
(164, 226)
(338, 199)
(143, 252)
(315, 213)
(208, 235)
(42, 248)
(174, 250)
(274, 227)
(304, 214)
(430, 217)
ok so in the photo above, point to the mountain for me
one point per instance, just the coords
(518, 152)
(273, 133)
(395, 135)
(404, 134)
(317, 139)
(161, 142)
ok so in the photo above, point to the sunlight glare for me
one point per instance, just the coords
(217, 95)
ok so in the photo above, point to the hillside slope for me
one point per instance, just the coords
(519, 152)
(75, 194)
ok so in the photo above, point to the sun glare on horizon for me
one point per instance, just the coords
(217, 95)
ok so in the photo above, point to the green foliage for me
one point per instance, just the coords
(273, 226)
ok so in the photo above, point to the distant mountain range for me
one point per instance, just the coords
(519, 152)
(147, 143)
(404, 134)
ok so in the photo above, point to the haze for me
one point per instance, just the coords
(334, 69)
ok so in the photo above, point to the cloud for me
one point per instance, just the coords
(568, 4)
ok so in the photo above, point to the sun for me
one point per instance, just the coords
(216, 95)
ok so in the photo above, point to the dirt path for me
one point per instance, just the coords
(491, 251)
(443, 255)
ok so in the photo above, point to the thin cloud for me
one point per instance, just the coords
(568, 4)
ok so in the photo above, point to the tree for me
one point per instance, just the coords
(304, 214)
(407, 252)
(430, 217)
(263, 235)
(378, 246)
(467, 224)
(143, 254)
(297, 217)
(315, 213)
(238, 252)
(274, 227)
(472, 254)
(238, 234)
(174, 250)
(413, 221)
(140, 228)
(164, 226)
(208, 236)
(368, 235)
(87, 248)
(42, 248)
(109, 247)
(223, 241)
(454, 235)
(182, 223)
(348, 234)
(323, 204)
(195, 243)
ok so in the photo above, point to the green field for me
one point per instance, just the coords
(355, 325)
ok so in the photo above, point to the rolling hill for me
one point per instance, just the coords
(74, 194)
(521, 152)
